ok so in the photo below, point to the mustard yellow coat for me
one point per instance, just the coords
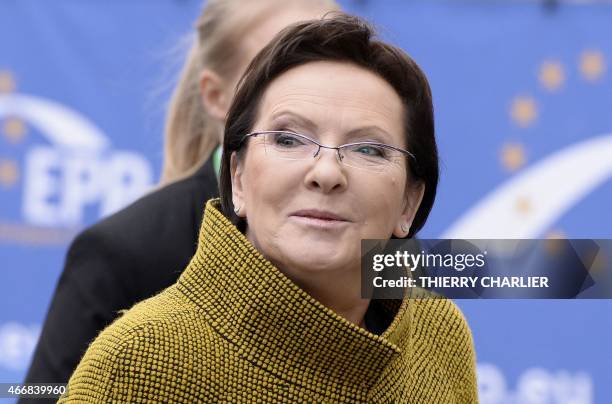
(235, 329)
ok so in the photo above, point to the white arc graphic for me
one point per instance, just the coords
(552, 187)
(62, 126)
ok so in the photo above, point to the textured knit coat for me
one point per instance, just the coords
(235, 329)
(127, 257)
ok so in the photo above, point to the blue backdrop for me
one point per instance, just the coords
(522, 94)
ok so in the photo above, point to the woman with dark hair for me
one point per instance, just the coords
(329, 140)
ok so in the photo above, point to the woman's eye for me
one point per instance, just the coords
(287, 140)
(370, 150)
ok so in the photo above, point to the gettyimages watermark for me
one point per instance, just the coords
(487, 269)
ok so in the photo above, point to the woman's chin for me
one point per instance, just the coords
(319, 259)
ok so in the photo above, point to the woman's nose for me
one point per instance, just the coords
(326, 173)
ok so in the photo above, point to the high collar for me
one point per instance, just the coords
(275, 324)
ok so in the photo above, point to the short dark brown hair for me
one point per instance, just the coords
(344, 38)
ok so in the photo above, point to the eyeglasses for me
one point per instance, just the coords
(363, 155)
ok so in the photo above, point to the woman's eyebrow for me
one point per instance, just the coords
(295, 118)
(372, 132)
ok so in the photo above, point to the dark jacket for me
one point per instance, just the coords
(125, 258)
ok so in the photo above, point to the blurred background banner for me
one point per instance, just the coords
(523, 98)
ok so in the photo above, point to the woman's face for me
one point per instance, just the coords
(283, 200)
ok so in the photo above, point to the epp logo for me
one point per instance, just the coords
(76, 170)
(534, 386)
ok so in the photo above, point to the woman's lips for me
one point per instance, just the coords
(319, 218)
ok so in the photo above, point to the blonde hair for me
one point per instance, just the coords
(190, 134)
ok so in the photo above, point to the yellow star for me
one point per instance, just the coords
(551, 75)
(555, 241)
(592, 65)
(523, 205)
(513, 156)
(556, 234)
(9, 173)
(14, 130)
(523, 110)
(600, 262)
(7, 83)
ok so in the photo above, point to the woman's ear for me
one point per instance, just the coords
(213, 92)
(236, 174)
(412, 201)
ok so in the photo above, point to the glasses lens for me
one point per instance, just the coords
(370, 156)
(290, 146)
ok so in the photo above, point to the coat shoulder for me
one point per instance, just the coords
(139, 349)
(445, 341)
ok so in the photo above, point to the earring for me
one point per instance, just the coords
(406, 227)
(236, 209)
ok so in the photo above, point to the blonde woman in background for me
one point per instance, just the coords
(194, 128)
(143, 248)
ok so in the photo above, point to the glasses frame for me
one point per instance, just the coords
(320, 145)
